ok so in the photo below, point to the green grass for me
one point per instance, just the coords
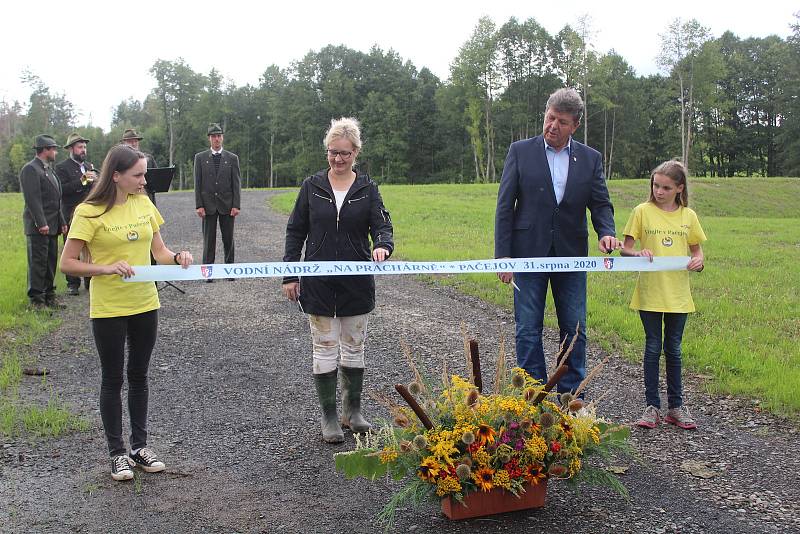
(746, 329)
(10, 371)
(19, 327)
(17, 417)
(51, 420)
(14, 317)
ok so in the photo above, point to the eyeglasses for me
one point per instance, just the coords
(334, 153)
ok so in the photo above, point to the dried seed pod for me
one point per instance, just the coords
(463, 472)
(566, 398)
(575, 405)
(517, 380)
(414, 388)
(405, 446)
(530, 394)
(468, 437)
(525, 424)
(472, 397)
(557, 470)
(547, 420)
(420, 442)
(401, 420)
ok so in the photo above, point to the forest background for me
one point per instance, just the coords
(726, 106)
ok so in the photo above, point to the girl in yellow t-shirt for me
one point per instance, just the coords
(664, 226)
(120, 227)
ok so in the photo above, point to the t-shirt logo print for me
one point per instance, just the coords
(667, 241)
(133, 235)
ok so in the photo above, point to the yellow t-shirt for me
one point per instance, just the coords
(666, 233)
(125, 232)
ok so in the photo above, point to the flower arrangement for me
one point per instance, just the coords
(460, 440)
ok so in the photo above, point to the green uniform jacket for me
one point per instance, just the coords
(217, 192)
(42, 192)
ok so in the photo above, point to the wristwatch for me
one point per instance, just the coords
(175, 258)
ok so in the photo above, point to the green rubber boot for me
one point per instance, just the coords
(326, 391)
(352, 382)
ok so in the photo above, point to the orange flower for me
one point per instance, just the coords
(485, 434)
(428, 469)
(484, 478)
(534, 474)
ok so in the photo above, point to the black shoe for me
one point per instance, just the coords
(72, 290)
(38, 305)
(120, 468)
(209, 281)
(146, 459)
(54, 304)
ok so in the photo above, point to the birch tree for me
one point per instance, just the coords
(680, 46)
(476, 68)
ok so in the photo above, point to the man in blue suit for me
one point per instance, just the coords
(548, 183)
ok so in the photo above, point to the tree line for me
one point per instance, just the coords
(725, 106)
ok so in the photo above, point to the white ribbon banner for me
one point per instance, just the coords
(160, 273)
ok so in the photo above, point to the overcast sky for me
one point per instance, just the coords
(55, 40)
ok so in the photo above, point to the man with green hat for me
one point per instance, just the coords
(76, 176)
(217, 191)
(131, 138)
(43, 221)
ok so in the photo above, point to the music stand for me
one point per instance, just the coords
(159, 180)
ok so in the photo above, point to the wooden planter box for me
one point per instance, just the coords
(497, 501)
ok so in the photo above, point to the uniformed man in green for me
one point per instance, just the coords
(43, 221)
(217, 188)
(132, 138)
(76, 176)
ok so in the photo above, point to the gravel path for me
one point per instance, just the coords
(234, 415)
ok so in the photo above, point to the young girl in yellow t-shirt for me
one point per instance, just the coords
(664, 226)
(120, 227)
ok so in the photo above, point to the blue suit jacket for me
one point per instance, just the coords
(528, 222)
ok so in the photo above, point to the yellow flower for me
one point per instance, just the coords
(484, 478)
(447, 485)
(594, 433)
(536, 447)
(583, 426)
(460, 384)
(481, 457)
(574, 465)
(428, 469)
(388, 455)
(464, 415)
(502, 479)
(510, 404)
(442, 450)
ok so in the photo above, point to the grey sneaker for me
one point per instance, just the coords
(146, 459)
(120, 470)
(681, 418)
(650, 418)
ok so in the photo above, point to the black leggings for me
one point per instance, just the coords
(109, 335)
